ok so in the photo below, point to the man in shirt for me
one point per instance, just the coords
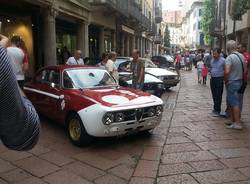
(111, 67)
(234, 71)
(217, 65)
(17, 59)
(138, 70)
(76, 59)
(19, 121)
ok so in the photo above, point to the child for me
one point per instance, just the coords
(204, 74)
(200, 65)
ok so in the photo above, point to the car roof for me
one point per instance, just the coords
(63, 67)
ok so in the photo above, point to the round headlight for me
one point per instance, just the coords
(159, 110)
(151, 112)
(119, 117)
(108, 118)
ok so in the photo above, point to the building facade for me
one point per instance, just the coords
(54, 29)
(173, 19)
(192, 36)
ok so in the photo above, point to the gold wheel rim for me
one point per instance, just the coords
(75, 129)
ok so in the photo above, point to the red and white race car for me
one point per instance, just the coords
(91, 104)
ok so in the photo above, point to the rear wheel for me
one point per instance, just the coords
(76, 131)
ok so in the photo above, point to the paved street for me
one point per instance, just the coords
(189, 147)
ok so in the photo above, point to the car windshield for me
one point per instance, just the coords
(149, 63)
(88, 78)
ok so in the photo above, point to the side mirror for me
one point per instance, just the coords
(53, 85)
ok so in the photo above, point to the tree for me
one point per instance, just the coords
(208, 20)
(167, 37)
(237, 9)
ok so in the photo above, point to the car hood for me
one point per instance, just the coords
(159, 72)
(148, 78)
(112, 97)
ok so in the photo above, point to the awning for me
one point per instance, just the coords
(128, 30)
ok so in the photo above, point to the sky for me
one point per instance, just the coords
(170, 5)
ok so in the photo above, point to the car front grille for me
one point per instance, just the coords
(138, 114)
(170, 77)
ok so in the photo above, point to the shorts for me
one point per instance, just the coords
(233, 97)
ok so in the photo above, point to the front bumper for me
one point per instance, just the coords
(171, 83)
(92, 121)
(117, 129)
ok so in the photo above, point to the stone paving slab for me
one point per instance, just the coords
(190, 146)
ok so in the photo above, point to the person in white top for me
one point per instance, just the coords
(111, 67)
(76, 59)
(200, 65)
(17, 59)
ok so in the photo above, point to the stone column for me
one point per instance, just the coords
(122, 44)
(113, 41)
(127, 45)
(83, 38)
(143, 47)
(86, 39)
(101, 41)
(50, 37)
(133, 43)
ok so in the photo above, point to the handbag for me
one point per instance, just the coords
(244, 83)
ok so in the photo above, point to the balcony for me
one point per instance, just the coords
(158, 15)
(158, 39)
(152, 31)
(110, 3)
(119, 6)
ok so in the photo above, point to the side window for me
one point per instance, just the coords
(42, 76)
(67, 82)
(54, 77)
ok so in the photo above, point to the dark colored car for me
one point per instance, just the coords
(152, 84)
(164, 61)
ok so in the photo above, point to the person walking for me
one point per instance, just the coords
(242, 48)
(200, 65)
(234, 70)
(204, 73)
(138, 70)
(20, 124)
(17, 58)
(76, 59)
(178, 63)
(111, 67)
(217, 65)
(104, 61)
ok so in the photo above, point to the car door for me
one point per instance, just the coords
(56, 102)
(36, 89)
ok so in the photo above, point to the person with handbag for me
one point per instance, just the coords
(235, 67)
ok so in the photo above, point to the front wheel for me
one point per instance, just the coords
(76, 131)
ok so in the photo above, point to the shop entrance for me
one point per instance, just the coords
(65, 40)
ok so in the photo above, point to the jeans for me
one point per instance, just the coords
(217, 86)
(233, 97)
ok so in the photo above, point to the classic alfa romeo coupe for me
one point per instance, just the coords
(90, 103)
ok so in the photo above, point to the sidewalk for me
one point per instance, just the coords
(199, 149)
(188, 147)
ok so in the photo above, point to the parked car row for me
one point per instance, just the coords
(157, 80)
(90, 103)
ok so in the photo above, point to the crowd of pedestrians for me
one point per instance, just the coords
(230, 72)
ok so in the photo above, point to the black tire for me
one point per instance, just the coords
(81, 138)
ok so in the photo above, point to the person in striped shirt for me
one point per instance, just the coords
(19, 122)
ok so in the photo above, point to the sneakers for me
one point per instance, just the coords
(228, 123)
(215, 113)
(235, 126)
(224, 115)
